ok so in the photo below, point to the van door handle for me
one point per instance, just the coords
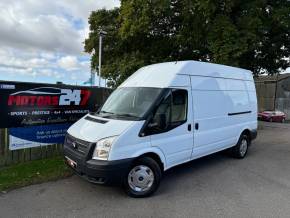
(189, 127)
(196, 126)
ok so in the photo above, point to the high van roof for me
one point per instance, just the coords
(175, 74)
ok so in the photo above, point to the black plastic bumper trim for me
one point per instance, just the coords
(254, 134)
(100, 171)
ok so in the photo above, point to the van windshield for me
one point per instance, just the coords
(129, 102)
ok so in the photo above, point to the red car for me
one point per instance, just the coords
(272, 116)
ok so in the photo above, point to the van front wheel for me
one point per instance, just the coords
(143, 178)
(241, 149)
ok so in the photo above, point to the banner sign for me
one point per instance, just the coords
(35, 136)
(27, 104)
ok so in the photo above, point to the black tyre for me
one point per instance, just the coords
(143, 178)
(241, 149)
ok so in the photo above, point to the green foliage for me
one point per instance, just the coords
(33, 172)
(252, 34)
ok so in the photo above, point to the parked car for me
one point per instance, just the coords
(162, 116)
(272, 116)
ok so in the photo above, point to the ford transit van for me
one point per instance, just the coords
(162, 116)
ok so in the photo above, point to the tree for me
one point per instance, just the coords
(252, 34)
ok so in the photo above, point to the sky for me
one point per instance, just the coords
(42, 40)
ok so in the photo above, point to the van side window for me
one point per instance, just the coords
(162, 114)
(179, 106)
(171, 113)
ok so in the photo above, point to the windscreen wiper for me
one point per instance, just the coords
(106, 112)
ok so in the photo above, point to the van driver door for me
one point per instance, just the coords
(170, 128)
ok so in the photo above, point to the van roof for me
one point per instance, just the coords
(165, 74)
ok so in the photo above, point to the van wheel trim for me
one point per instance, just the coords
(156, 170)
(243, 147)
(141, 178)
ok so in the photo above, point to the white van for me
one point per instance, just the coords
(162, 116)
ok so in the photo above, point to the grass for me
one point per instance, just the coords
(33, 172)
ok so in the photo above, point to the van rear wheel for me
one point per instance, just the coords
(241, 149)
(143, 178)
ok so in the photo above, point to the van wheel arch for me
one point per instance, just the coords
(155, 157)
(247, 132)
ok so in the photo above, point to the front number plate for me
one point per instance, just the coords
(70, 162)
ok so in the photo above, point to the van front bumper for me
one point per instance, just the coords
(99, 171)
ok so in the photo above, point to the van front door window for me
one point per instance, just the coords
(171, 112)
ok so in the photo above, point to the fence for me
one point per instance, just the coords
(273, 93)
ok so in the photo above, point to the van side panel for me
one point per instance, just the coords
(214, 132)
(223, 108)
(253, 124)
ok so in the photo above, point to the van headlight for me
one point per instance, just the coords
(103, 147)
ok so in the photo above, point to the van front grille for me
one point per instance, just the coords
(77, 145)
